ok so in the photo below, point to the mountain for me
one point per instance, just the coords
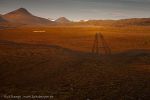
(62, 20)
(2, 20)
(23, 16)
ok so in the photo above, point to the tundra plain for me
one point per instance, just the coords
(57, 62)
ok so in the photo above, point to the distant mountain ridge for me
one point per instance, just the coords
(121, 22)
(22, 16)
(134, 21)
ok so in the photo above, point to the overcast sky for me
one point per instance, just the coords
(81, 9)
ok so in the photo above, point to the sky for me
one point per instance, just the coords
(81, 9)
